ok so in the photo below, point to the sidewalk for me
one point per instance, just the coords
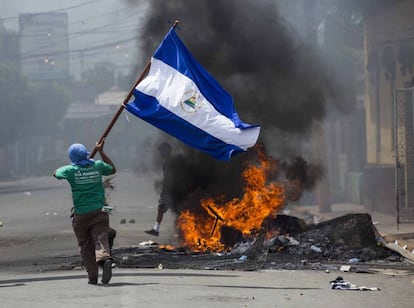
(386, 224)
(398, 237)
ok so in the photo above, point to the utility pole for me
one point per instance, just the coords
(323, 192)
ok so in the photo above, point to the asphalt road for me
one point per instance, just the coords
(35, 217)
(183, 288)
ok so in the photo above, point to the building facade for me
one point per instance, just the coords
(389, 54)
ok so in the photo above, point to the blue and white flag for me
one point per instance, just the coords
(181, 98)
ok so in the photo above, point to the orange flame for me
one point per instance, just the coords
(261, 199)
(167, 247)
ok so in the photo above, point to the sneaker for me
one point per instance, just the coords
(93, 281)
(152, 232)
(107, 271)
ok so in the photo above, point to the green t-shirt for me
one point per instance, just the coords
(88, 193)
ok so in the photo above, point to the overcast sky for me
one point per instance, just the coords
(94, 26)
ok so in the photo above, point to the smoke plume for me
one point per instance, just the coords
(274, 77)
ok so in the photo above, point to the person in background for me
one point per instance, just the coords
(164, 201)
(90, 218)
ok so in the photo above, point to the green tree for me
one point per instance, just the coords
(50, 99)
(9, 46)
(16, 109)
(16, 106)
(125, 81)
(14, 90)
(100, 78)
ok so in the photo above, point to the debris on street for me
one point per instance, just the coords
(340, 284)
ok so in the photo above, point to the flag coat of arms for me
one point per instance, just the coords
(181, 98)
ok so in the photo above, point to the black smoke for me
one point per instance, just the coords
(273, 74)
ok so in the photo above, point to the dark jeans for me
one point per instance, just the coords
(91, 231)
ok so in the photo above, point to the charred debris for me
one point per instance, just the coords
(295, 244)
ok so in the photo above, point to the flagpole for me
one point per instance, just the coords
(125, 102)
(120, 109)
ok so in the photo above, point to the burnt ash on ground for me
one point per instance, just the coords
(347, 240)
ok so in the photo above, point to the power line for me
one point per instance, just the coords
(78, 34)
(57, 10)
(97, 47)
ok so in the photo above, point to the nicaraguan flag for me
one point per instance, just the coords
(181, 98)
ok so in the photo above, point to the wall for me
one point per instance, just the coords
(389, 53)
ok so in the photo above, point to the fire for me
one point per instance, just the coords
(261, 199)
(167, 247)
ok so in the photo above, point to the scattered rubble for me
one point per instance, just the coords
(350, 240)
(340, 284)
